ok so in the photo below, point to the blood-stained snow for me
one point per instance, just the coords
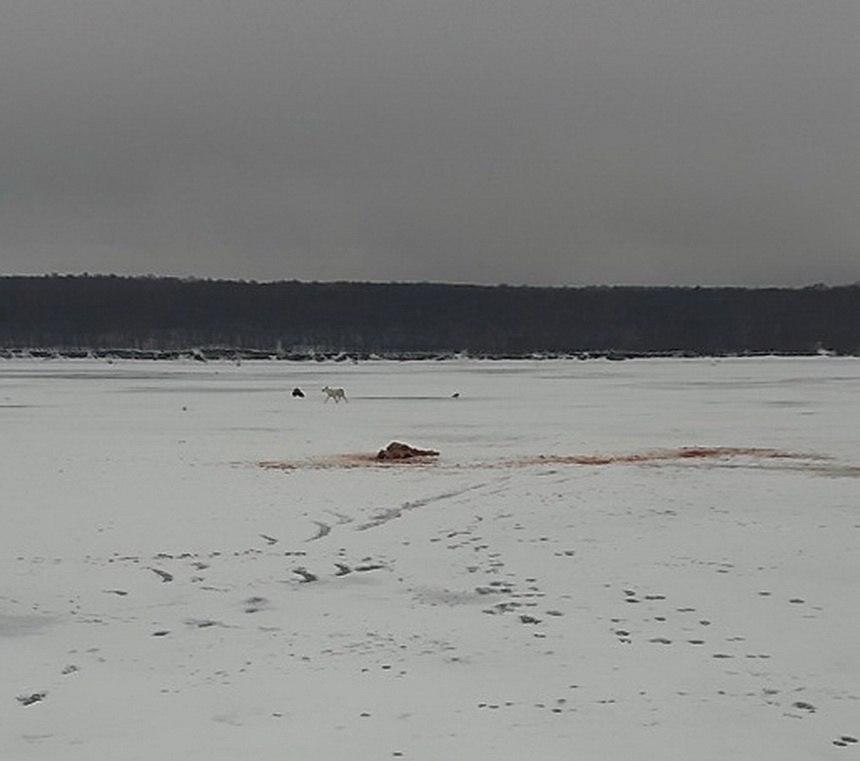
(608, 560)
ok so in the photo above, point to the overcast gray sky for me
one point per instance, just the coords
(565, 142)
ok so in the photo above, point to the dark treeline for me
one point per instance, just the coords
(102, 313)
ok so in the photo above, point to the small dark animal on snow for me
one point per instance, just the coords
(298, 393)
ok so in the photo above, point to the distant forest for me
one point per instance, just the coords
(150, 316)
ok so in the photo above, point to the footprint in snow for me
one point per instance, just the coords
(845, 740)
(255, 604)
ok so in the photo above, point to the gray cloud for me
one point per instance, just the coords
(549, 141)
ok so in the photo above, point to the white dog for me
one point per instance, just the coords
(337, 394)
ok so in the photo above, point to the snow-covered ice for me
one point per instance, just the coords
(164, 595)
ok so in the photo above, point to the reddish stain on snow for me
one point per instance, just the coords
(664, 455)
(653, 456)
(348, 461)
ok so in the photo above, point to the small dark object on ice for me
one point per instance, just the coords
(269, 539)
(529, 619)
(28, 700)
(397, 451)
(298, 393)
(455, 395)
(342, 569)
